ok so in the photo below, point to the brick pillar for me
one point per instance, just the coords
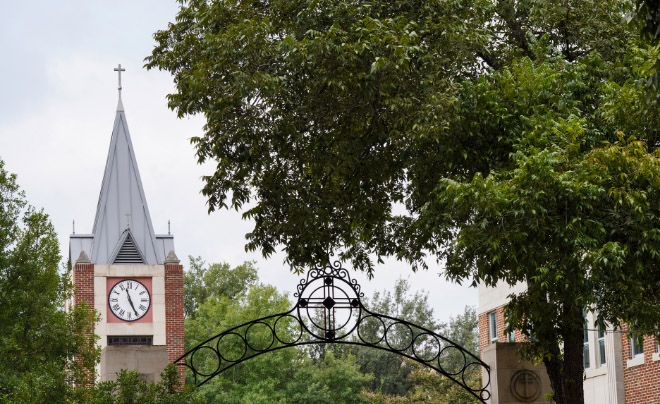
(174, 310)
(83, 292)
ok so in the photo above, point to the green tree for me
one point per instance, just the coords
(428, 387)
(425, 385)
(265, 374)
(389, 370)
(129, 389)
(38, 338)
(323, 116)
(495, 124)
(645, 16)
(282, 376)
(202, 281)
(330, 380)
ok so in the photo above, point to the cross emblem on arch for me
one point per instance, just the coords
(327, 300)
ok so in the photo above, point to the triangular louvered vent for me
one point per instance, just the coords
(128, 253)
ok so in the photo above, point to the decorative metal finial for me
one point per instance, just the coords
(118, 69)
(128, 220)
(168, 227)
(74, 227)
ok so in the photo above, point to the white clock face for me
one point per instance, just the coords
(129, 300)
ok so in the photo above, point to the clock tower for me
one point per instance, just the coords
(129, 274)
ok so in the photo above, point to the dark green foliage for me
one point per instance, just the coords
(38, 339)
(646, 15)
(130, 389)
(428, 387)
(331, 380)
(389, 370)
(283, 376)
(510, 138)
(202, 282)
(334, 112)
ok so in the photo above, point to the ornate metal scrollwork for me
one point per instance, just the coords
(329, 309)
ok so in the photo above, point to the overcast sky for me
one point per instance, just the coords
(57, 107)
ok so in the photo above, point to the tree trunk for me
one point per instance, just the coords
(567, 374)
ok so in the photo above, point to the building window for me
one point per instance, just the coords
(492, 326)
(601, 347)
(636, 346)
(130, 340)
(511, 336)
(585, 348)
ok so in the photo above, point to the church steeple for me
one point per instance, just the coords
(122, 220)
(122, 213)
(121, 271)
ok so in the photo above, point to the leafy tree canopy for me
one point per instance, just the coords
(129, 389)
(37, 337)
(506, 137)
(202, 281)
(326, 115)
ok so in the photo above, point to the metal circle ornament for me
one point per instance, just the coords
(329, 303)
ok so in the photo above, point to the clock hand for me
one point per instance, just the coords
(131, 303)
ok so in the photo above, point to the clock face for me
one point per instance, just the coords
(129, 300)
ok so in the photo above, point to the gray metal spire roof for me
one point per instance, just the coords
(122, 217)
(123, 233)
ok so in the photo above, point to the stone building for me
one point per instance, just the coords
(617, 371)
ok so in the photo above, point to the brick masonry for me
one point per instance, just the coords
(174, 313)
(484, 327)
(83, 281)
(642, 382)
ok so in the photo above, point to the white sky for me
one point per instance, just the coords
(57, 107)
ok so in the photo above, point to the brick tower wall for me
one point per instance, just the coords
(83, 292)
(174, 313)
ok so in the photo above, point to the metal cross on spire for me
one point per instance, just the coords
(118, 69)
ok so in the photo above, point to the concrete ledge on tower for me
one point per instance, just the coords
(514, 380)
(148, 360)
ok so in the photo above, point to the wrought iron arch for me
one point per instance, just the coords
(329, 310)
